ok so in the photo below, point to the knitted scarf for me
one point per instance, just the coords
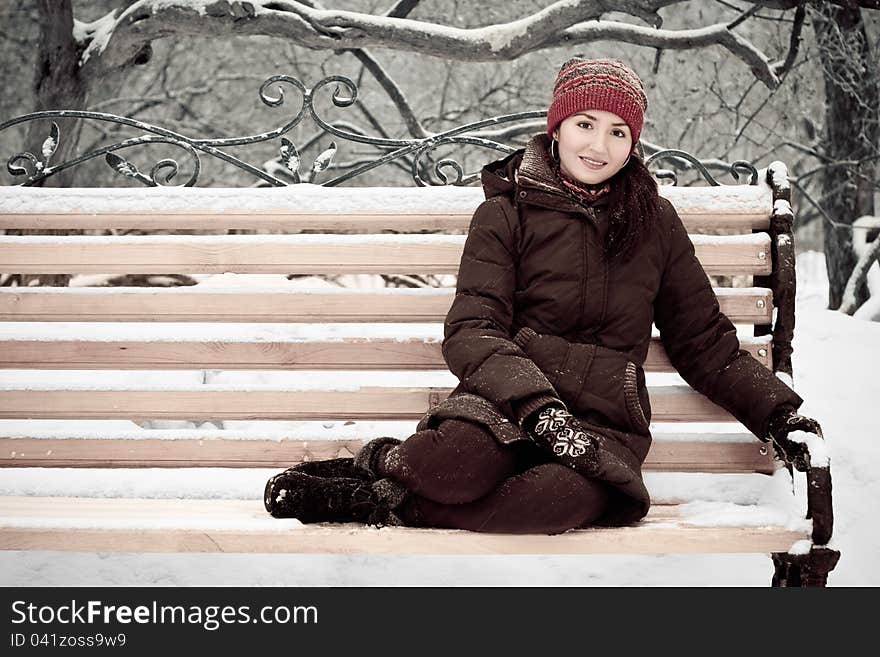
(584, 192)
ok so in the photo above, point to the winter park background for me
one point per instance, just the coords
(798, 83)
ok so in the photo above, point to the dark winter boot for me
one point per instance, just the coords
(311, 499)
(342, 467)
(308, 498)
(389, 496)
(370, 455)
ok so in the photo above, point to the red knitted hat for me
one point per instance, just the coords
(602, 84)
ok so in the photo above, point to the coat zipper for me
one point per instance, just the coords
(585, 282)
(583, 302)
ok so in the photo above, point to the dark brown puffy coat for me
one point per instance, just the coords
(539, 314)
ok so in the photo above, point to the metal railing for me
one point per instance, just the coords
(417, 153)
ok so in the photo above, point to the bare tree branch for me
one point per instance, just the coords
(121, 38)
(794, 41)
(391, 88)
(394, 92)
(711, 35)
(869, 252)
(847, 4)
(402, 9)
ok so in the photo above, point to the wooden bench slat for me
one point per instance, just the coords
(402, 254)
(351, 354)
(665, 488)
(154, 525)
(747, 219)
(185, 304)
(664, 456)
(308, 206)
(274, 221)
(669, 403)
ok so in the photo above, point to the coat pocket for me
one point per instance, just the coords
(633, 385)
(551, 354)
(598, 384)
(602, 395)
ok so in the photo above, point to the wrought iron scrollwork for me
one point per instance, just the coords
(445, 171)
(688, 161)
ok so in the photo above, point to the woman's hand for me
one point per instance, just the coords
(783, 422)
(559, 432)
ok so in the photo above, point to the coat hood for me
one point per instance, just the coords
(526, 175)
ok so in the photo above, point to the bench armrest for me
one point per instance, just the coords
(819, 504)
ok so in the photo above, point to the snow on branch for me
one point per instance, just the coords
(868, 252)
(115, 40)
(701, 37)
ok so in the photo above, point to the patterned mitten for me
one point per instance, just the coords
(559, 432)
(783, 422)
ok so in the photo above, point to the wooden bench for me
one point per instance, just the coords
(346, 360)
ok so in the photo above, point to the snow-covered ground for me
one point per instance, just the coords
(835, 360)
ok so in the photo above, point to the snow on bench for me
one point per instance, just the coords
(148, 419)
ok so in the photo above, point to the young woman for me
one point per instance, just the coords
(567, 263)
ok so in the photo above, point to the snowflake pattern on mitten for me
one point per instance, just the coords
(553, 423)
(571, 442)
(550, 420)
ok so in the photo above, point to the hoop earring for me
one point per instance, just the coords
(627, 161)
(553, 151)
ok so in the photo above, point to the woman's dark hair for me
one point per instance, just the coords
(634, 209)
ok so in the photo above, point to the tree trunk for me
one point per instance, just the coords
(852, 113)
(58, 84)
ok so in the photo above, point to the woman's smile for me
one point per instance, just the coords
(595, 165)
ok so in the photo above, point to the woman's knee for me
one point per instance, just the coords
(545, 499)
(458, 462)
(568, 499)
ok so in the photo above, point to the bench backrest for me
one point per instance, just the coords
(331, 332)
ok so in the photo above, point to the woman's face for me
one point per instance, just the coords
(593, 145)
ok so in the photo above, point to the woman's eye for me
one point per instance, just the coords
(583, 123)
